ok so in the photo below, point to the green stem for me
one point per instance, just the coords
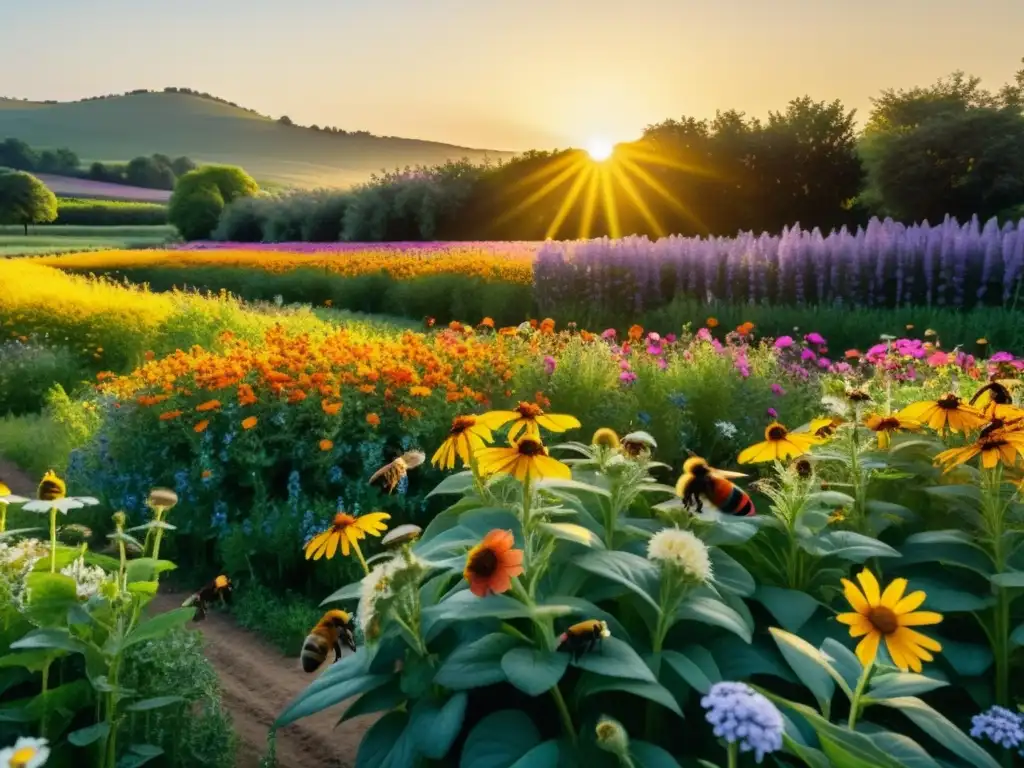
(362, 560)
(155, 533)
(855, 702)
(563, 712)
(53, 540)
(3, 517)
(734, 754)
(995, 518)
(44, 694)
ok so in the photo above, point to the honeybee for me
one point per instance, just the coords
(332, 631)
(393, 473)
(220, 588)
(715, 485)
(583, 637)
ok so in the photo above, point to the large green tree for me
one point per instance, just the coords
(25, 200)
(200, 196)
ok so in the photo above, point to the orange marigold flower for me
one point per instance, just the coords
(852, 354)
(202, 425)
(149, 354)
(297, 396)
(250, 422)
(745, 329)
(420, 391)
(454, 397)
(209, 405)
(455, 325)
(547, 325)
(635, 332)
(169, 415)
(367, 389)
(331, 409)
(487, 322)
(326, 445)
(587, 336)
(373, 419)
(711, 322)
(245, 395)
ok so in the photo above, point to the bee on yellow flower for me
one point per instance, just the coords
(529, 417)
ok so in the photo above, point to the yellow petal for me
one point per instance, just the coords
(867, 648)
(558, 422)
(920, 619)
(757, 453)
(491, 461)
(894, 593)
(869, 584)
(315, 543)
(522, 467)
(496, 419)
(332, 545)
(923, 640)
(549, 467)
(855, 597)
(897, 653)
(859, 625)
(518, 427)
(909, 603)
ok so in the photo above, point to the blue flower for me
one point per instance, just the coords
(335, 475)
(228, 437)
(741, 714)
(644, 418)
(279, 418)
(678, 399)
(1000, 726)
(403, 485)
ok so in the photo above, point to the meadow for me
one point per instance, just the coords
(541, 574)
(56, 239)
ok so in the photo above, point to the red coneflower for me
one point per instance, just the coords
(493, 563)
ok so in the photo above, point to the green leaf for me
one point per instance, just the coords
(499, 740)
(387, 744)
(139, 754)
(843, 660)
(476, 664)
(573, 485)
(968, 659)
(810, 665)
(696, 677)
(1017, 636)
(1009, 580)
(790, 607)
(647, 755)
(614, 658)
(534, 671)
(725, 530)
(902, 684)
(730, 575)
(347, 593)
(387, 697)
(55, 639)
(434, 728)
(942, 730)
(710, 611)
(318, 697)
(157, 702)
(636, 573)
(146, 569)
(815, 758)
(456, 484)
(907, 751)
(51, 595)
(574, 533)
(83, 737)
(946, 599)
(591, 684)
(846, 545)
(143, 588)
(158, 626)
(546, 755)
(465, 606)
(950, 547)
(34, 660)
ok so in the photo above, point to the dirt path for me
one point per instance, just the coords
(18, 481)
(257, 682)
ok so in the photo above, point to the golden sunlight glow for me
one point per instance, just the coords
(599, 149)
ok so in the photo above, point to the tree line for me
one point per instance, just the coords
(949, 148)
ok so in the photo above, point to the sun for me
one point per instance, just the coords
(599, 149)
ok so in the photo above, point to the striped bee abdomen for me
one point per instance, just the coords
(314, 651)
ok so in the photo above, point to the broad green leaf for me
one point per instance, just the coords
(434, 728)
(138, 755)
(942, 730)
(465, 606)
(349, 592)
(815, 758)
(591, 684)
(710, 611)
(907, 751)
(387, 697)
(614, 658)
(534, 671)
(146, 569)
(730, 575)
(157, 702)
(34, 659)
(968, 659)
(843, 660)
(846, 545)
(476, 664)
(158, 626)
(636, 573)
(546, 755)
(725, 530)
(957, 495)
(647, 755)
(810, 665)
(573, 485)
(790, 607)
(946, 599)
(1009, 580)
(1017, 636)
(387, 744)
(54, 639)
(456, 484)
(574, 533)
(318, 697)
(51, 595)
(83, 737)
(902, 684)
(499, 740)
(697, 678)
(950, 547)
(143, 588)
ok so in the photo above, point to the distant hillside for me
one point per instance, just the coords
(68, 186)
(212, 131)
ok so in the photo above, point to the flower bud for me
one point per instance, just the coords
(120, 519)
(612, 737)
(162, 498)
(402, 534)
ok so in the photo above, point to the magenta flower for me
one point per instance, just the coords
(662, 363)
(842, 368)
(627, 377)
(670, 338)
(549, 364)
(654, 349)
(808, 354)
(938, 358)
(772, 413)
(778, 390)
(1001, 357)
(624, 365)
(824, 362)
(784, 342)
(703, 335)
(609, 334)
(814, 338)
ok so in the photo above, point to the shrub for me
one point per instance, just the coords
(108, 213)
(25, 200)
(27, 371)
(283, 620)
(200, 196)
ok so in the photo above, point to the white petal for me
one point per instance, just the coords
(87, 500)
(12, 499)
(39, 506)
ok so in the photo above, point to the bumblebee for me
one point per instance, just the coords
(583, 637)
(392, 473)
(699, 479)
(332, 631)
(220, 588)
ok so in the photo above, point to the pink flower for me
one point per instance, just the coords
(703, 335)
(814, 338)
(772, 413)
(670, 338)
(624, 365)
(784, 342)
(654, 349)
(653, 337)
(662, 363)
(824, 362)
(627, 377)
(608, 334)
(938, 358)
(842, 368)
(808, 354)
(549, 364)
(1001, 357)
(778, 390)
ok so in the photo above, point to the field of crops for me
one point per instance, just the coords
(517, 509)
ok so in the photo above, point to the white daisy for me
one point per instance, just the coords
(682, 549)
(52, 495)
(88, 578)
(26, 753)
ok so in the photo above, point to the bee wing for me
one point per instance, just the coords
(190, 601)
(380, 472)
(413, 459)
(726, 474)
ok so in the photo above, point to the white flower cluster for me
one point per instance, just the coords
(683, 550)
(88, 578)
(16, 562)
(726, 429)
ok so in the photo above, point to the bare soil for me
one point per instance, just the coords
(17, 480)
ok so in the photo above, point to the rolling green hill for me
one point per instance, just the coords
(210, 131)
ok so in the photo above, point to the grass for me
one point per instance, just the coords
(57, 239)
(35, 442)
(283, 620)
(210, 132)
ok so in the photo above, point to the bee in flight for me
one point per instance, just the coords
(393, 473)
(583, 637)
(220, 588)
(332, 631)
(700, 479)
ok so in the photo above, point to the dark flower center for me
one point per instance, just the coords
(50, 490)
(777, 433)
(529, 410)
(461, 424)
(803, 467)
(857, 396)
(484, 563)
(884, 619)
(342, 521)
(528, 447)
(888, 425)
(949, 402)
